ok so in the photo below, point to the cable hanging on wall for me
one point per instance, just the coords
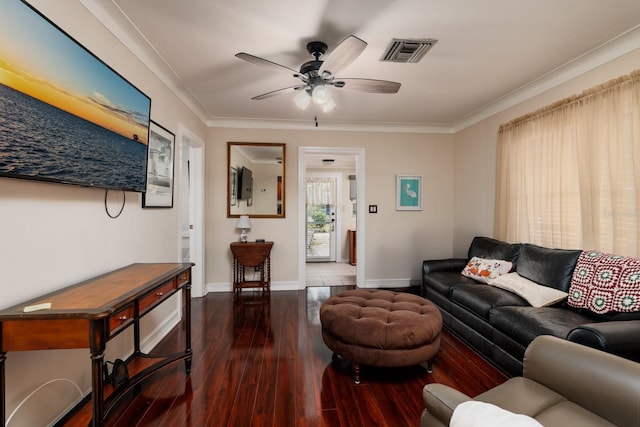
(106, 208)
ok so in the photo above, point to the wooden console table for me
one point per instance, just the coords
(91, 313)
(256, 255)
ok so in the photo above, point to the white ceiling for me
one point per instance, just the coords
(487, 52)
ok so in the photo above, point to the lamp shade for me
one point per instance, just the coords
(243, 222)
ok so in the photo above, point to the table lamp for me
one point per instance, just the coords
(245, 224)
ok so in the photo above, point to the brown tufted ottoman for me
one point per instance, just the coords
(381, 328)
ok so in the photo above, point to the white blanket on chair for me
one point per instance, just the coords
(481, 414)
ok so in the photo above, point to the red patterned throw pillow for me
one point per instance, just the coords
(603, 282)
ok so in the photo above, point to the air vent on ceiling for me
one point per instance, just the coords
(407, 50)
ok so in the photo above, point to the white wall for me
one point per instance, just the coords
(475, 152)
(396, 241)
(55, 235)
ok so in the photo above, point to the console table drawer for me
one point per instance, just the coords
(121, 319)
(155, 297)
(184, 278)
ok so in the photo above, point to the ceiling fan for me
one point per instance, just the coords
(318, 74)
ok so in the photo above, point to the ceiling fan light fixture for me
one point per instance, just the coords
(321, 95)
(328, 106)
(302, 99)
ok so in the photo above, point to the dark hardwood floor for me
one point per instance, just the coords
(261, 361)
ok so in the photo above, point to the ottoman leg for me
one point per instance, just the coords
(356, 372)
(430, 366)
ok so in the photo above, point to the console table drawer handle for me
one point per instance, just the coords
(122, 318)
(159, 294)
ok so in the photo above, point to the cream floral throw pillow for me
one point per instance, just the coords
(483, 270)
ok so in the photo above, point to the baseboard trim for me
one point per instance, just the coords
(275, 286)
(153, 339)
(295, 286)
(390, 283)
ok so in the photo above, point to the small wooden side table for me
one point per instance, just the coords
(255, 255)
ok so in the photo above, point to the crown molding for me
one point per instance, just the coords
(619, 46)
(323, 125)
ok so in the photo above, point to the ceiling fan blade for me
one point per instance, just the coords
(342, 55)
(279, 92)
(264, 62)
(369, 85)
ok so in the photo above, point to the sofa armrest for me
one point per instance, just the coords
(581, 373)
(617, 337)
(440, 401)
(450, 264)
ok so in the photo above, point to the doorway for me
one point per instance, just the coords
(323, 212)
(191, 210)
(351, 212)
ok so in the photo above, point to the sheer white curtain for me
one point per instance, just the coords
(320, 190)
(569, 174)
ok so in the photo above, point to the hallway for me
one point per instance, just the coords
(330, 274)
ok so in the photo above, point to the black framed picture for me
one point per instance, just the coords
(160, 162)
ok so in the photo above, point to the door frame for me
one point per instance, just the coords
(360, 209)
(195, 209)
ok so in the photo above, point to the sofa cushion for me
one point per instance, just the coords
(486, 247)
(616, 317)
(523, 324)
(548, 267)
(571, 414)
(603, 283)
(480, 299)
(483, 270)
(521, 395)
(536, 295)
(549, 408)
(444, 281)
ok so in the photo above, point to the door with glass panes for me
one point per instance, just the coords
(321, 217)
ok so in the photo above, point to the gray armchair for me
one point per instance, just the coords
(564, 384)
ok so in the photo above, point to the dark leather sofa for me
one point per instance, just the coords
(500, 324)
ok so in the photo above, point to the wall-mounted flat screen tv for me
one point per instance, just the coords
(66, 116)
(245, 184)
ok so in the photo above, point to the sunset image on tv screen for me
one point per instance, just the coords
(64, 114)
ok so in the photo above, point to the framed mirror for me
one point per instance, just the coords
(256, 179)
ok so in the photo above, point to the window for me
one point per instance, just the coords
(569, 174)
